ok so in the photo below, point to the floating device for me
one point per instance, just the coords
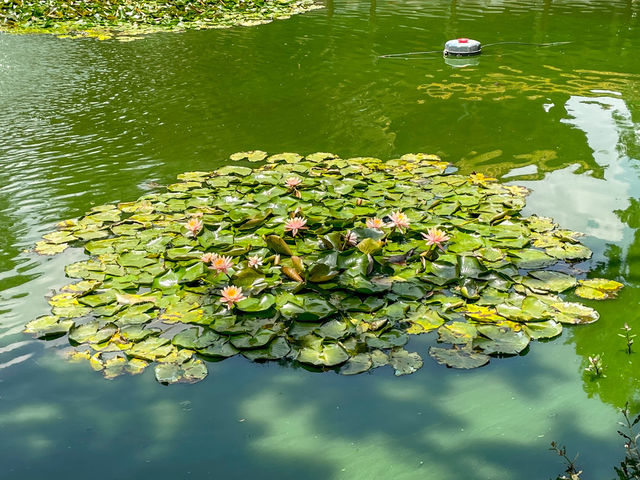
(462, 47)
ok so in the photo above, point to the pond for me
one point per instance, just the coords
(87, 122)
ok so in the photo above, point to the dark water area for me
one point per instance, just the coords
(87, 122)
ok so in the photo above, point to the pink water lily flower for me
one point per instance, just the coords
(231, 295)
(375, 222)
(293, 182)
(351, 238)
(221, 263)
(399, 220)
(294, 224)
(194, 225)
(255, 261)
(208, 257)
(435, 236)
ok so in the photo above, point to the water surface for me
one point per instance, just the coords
(87, 122)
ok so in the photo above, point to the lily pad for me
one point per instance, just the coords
(598, 289)
(463, 358)
(327, 355)
(329, 261)
(404, 362)
(501, 339)
(357, 364)
(48, 325)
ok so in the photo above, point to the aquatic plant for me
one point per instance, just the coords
(127, 19)
(595, 365)
(571, 471)
(337, 277)
(627, 336)
(629, 468)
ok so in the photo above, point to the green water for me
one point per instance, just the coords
(88, 122)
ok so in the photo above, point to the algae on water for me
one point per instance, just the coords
(333, 263)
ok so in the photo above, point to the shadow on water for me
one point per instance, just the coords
(275, 422)
(90, 122)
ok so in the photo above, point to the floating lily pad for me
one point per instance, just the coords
(277, 349)
(501, 339)
(549, 281)
(598, 289)
(331, 262)
(404, 362)
(464, 358)
(357, 364)
(48, 325)
(327, 355)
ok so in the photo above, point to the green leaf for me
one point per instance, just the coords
(529, 258)
(48, 325)
(327, 355)
(501, 339)
(463, 358)
(357, 364)
(538, 330)
(278, 348)
(256, 304)
(549, 281)
(234, 170)
(574, 313)
(457, 333)
(404, 362)
(369, 246)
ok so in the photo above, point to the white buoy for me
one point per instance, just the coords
(462, 47)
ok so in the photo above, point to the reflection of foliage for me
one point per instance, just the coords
(514, 83)
(97, 17)
(571, 472)
(329, 262)
(629, 468)
(622, 381)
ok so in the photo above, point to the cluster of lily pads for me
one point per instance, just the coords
(332, 263)
(126, 18)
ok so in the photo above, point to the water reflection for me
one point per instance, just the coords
(604, 207)
(92, 122)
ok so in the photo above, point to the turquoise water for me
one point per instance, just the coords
(89, 122)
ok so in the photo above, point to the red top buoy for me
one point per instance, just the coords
(463, 40)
